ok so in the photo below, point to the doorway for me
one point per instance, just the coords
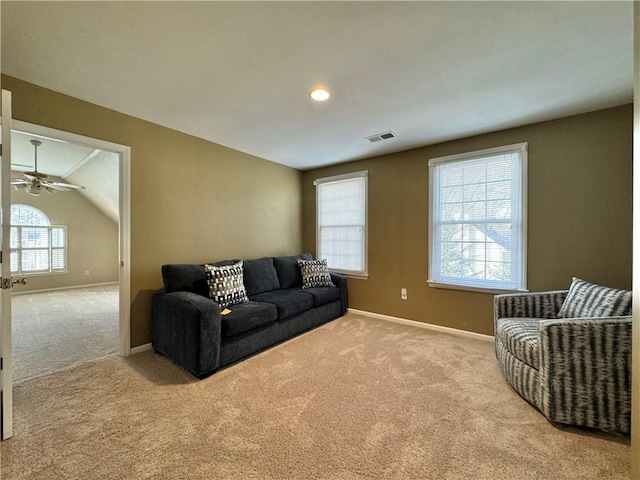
(99, 294)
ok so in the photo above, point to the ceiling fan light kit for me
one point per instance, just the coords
(34, 183)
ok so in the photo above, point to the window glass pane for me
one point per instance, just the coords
(342, 247)
(475, 172)
(57, 237)
(57, 259)
(14, 237)
(33, 237)
(452, 211)
(14, 262)
(35, 260)
(499, 190)
(27, 215)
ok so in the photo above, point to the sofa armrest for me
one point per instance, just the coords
(340, 281)
(186, 327)
(585, 371)
(528, 305)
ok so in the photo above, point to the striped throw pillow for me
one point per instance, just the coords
(587, 300)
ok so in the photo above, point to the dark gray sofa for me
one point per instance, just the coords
(187, 327)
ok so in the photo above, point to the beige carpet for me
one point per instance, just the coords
(57, 329)
(354, 399)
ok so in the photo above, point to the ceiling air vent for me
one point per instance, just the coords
(381, 136)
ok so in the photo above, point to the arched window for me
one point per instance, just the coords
(26, 215)
(37, 247)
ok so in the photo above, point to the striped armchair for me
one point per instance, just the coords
(576, 371)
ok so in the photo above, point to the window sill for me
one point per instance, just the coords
(468, 288)
(39, 274)
(358, 276)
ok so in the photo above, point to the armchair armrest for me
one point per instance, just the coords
(528, 305)
(585, 371)
(185, 327)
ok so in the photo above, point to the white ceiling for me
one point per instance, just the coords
(96, 170)
(238, 73)
(55, 157)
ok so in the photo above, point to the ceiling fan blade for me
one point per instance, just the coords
(64, 186)
(20, 181)
(32, 175)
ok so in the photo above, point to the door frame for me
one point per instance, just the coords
(5, 271)
(124, 201)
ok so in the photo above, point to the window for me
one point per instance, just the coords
(477, 219)
(342, 222)
(36, 246)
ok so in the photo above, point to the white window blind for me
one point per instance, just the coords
(478, 219)
(342, 222)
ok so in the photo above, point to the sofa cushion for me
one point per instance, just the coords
(591, 301)
(260, 276)
(289, 271)
(520, 338)
(226, 286)
(288, 302)
(323, 295)
(179, 277)
(315, 273)
(246, 316)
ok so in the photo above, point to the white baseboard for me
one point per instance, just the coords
(140, 348)
(430, 326)
(73, 287)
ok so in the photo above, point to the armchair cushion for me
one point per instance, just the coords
(520, 338)
(587, 300)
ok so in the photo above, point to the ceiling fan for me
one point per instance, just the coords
(34, 183)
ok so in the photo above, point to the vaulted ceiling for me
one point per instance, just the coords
(238, 73)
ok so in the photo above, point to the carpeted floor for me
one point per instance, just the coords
(357, 398)
(57, 329)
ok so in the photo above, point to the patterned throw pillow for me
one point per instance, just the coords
(315, 273)
(586, 300)
(226, 284)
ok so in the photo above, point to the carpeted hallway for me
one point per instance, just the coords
(57, 329)
(357, 398)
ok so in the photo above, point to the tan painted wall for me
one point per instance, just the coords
(191, 200)
(580, 195)
(92, 240)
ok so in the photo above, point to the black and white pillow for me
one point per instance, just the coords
(587, 300)
(226, 284)
(315, 273)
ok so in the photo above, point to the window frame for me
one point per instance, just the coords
(49, 248)
(519, 284)
(364, 274)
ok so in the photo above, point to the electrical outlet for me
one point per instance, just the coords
(403, 293)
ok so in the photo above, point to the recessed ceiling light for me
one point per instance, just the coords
(319, 94)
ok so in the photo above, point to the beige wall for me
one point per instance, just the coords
(191, 200)
(580, 195)
(92, 240)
